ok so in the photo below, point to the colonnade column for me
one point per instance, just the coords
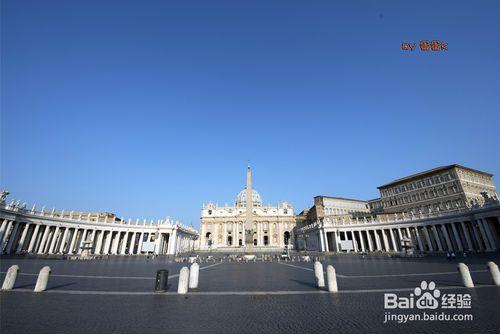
(132, 243)
(3, 242)
(325, 237)
(98, 246)
(141, 238)
(34, 236)
(467, 236)
(428, 238)
(487, 231)
(377, 240)
(384, 238)
(44, 240)
(124, 243)
(23, 238)
(419, 240)
(369, 238)
(107, 243)
(436, 237)
(393, 240)
(3, 227)
(12, 238)
(80, 245)
(116, 242)
(457, 237)
(53, 241)
(74, 237)
(361, 241)
(62, 248)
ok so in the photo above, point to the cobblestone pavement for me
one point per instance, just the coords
(70, 305)
(319, 313)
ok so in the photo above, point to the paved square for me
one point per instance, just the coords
(116, 295)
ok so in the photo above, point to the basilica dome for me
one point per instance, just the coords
(241, 199)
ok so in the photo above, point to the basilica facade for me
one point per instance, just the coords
(231, 228)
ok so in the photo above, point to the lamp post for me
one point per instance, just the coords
(306, 236)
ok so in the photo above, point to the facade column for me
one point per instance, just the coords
(23, 238)
(54, 241)
(34, 236)
(74, 237)
(483, 234)
(428, 238)
(457, 237)
(488, 233)
(44, 240)
(436, 236)
(12, 238)
(470, 246)
(393, 240)
(224, 234)
(62, 248)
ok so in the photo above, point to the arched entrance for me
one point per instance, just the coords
(230, 240)
(207, 238)
(286, 238)
(266, 240)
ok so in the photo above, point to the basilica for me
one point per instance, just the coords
(246, 223)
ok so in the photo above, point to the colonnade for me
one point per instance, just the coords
(28, 232)
(462, 233)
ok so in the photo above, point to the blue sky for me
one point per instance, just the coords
(151, 108)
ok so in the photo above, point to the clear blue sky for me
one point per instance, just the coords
(151, 108)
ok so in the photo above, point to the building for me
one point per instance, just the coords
(450, 208)
(440, 189)
(233, 228)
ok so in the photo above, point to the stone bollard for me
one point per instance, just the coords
(183, 281)
(465, 273)
(10, 278)
(318, 273)
(194, 274)
(43, 279)
(495, 273)
(331, 277)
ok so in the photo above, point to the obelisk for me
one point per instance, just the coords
(249, 212)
